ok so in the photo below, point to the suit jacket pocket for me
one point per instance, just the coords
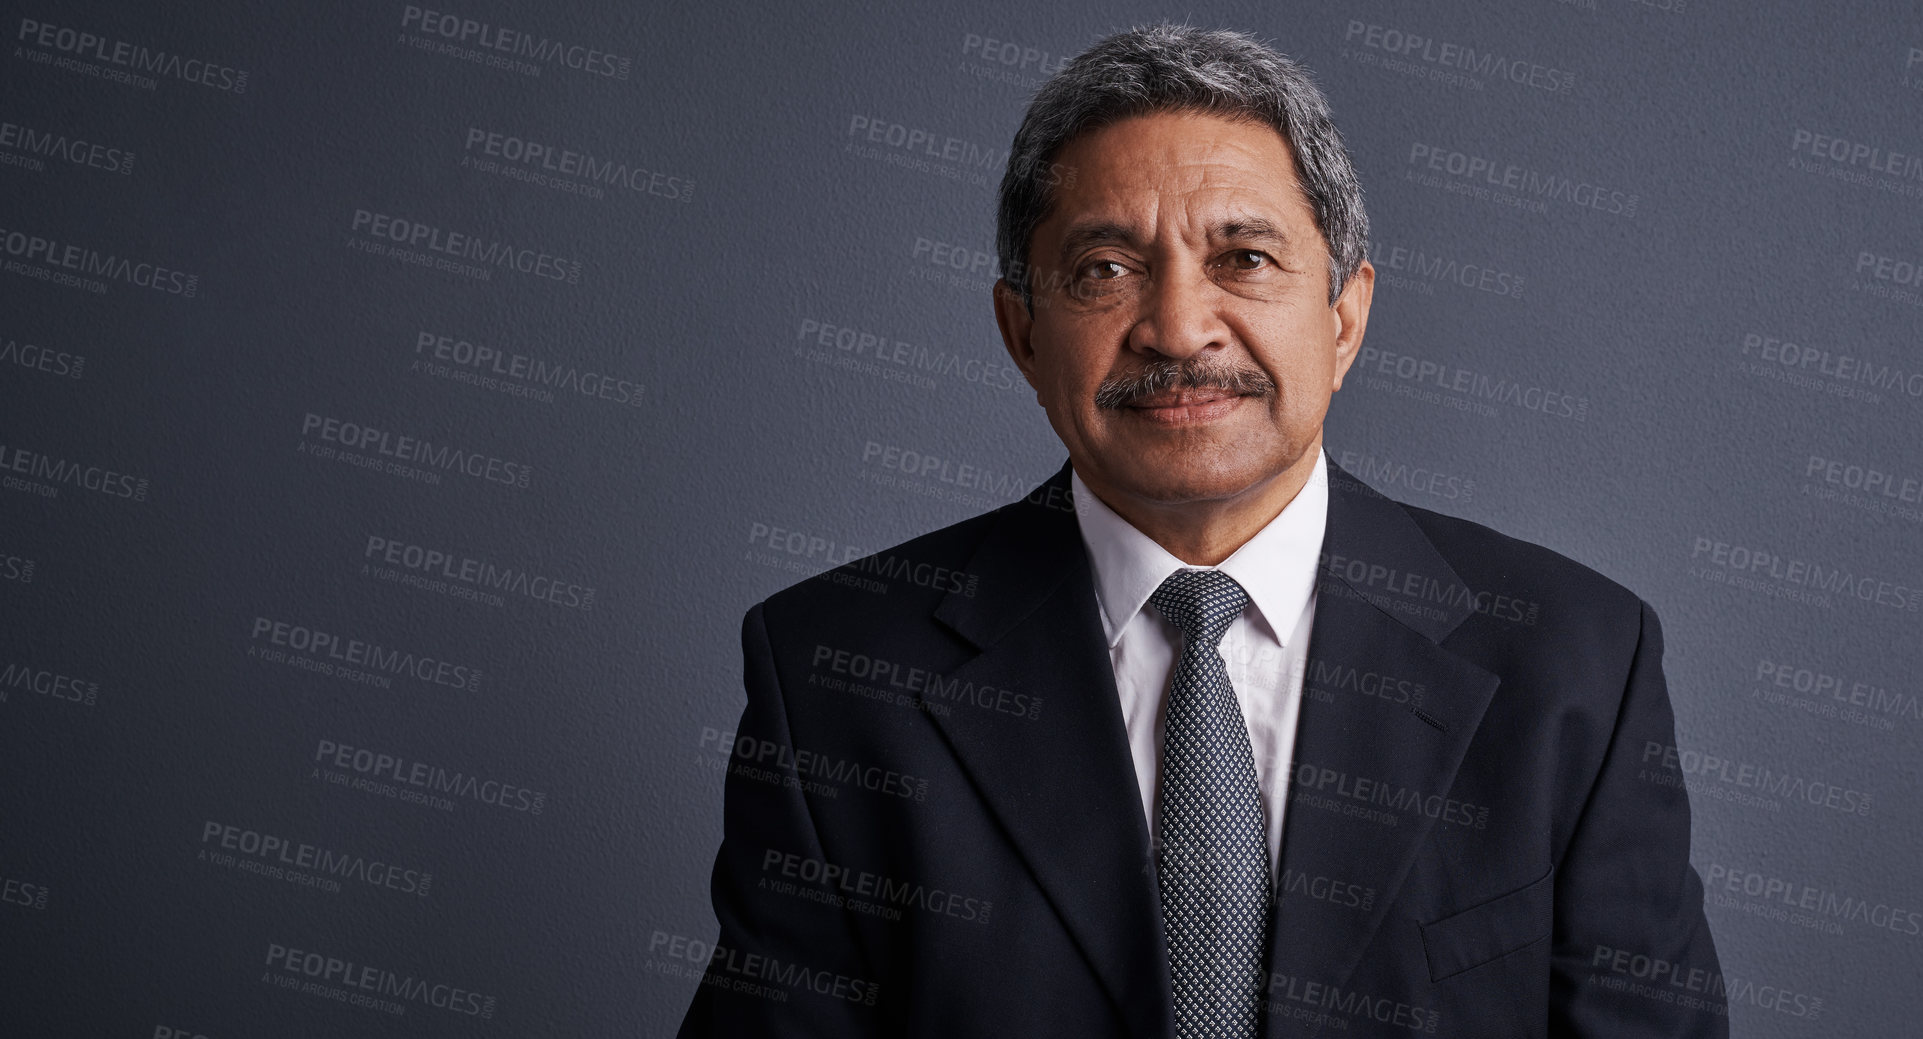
(1481, 933)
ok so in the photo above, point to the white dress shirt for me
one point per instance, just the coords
(1265, 648)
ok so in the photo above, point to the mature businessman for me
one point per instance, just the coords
(1202, 737)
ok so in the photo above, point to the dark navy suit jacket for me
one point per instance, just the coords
(933, 826)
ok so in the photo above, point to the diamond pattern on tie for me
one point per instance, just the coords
(1214, 854)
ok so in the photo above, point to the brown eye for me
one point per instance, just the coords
(1247, 259)
(1092, 279)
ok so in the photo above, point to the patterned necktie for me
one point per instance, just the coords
(1214, 855)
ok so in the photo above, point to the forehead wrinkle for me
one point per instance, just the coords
(1185, 190)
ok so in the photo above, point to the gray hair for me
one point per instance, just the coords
(1181, 68)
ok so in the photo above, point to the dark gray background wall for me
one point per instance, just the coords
(1683, 347)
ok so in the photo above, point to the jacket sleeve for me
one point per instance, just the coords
(784, 965)
(1633, 955)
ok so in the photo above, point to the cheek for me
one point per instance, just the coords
(1074, 367)
(1300, 352)
(1058, 374)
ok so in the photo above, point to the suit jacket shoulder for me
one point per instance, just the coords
(1529, 592)
(887, 597)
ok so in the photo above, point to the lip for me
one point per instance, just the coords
(1187, 407)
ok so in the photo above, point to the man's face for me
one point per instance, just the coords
(1181, 340)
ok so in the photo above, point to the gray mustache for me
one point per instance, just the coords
(1120, 391)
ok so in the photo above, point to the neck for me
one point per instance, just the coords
(1205, 532)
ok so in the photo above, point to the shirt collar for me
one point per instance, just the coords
(1276, 566)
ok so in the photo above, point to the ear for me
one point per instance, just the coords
(1016, 322)
(1351, 317)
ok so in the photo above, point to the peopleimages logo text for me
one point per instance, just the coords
(24, 141)
(571, 163)
(1509, 176)
(331, 970)
(92, 263)
(334, 865)
(418, 235)
(360, 437)
(88, 46)
(326, 645)
(373, 765)
(42, 466)
(473, 33)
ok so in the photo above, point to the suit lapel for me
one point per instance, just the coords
(1061, 781)
(1385, 599)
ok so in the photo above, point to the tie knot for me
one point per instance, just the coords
(1200, 602)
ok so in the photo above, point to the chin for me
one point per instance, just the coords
(1191, 483)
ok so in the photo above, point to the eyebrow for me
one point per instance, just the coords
(1234, 229)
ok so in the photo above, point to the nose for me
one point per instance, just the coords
(1179, 317)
